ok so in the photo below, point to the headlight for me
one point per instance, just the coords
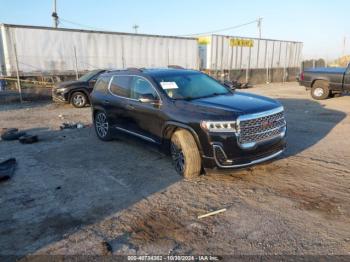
(61, 90)
(219, 126)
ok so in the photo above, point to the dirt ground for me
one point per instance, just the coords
(73, 194)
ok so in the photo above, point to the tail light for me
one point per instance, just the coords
(302, 76)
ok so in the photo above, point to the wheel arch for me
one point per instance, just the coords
(319, 79)
(96, 109)
(169, 129)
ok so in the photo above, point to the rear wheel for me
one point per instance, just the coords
(185, 154)
(320, 90)
(79, 99)
(102, 126)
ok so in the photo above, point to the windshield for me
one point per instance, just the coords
(191, 86)
(88, 76)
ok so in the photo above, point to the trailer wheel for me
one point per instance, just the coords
(79, 99)
(320, 90)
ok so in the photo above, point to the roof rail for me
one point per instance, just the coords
(175, 67)
(134, 69)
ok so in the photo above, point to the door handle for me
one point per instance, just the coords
(130, 107)
(106, 102)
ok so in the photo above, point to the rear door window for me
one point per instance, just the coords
(120, 86)
(102, 83)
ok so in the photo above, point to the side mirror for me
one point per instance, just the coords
(148, 98)
(229, 84)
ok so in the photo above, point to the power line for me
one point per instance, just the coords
(81, 25)
(223, 29)
(135, 27)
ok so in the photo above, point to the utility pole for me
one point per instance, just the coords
(259, 25)
(344, 45)
(135, 27)
(17, 72)
(54, 14)
(76, 63)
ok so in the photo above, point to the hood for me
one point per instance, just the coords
(71, 83)
(237, 103)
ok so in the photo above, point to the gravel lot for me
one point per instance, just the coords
(72, 194)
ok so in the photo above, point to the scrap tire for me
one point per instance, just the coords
(8, 130)
(12, 135)
(185, 154)
(79, 99)
(102, 126)
(320, 90)
(28, 139)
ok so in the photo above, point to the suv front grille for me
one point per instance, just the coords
(261, 128)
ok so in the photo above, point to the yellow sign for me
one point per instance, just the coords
(204, 40)
(241, 42)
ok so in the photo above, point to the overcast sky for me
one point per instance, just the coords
(320, 24)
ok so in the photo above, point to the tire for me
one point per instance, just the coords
(320, 90)
(12, 135)
(8, 130)
(79, 100)
(185, 154)
(28, 139)
(102, 126)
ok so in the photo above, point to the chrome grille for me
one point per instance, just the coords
(261, 128)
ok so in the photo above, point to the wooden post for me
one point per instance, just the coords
(123, 58)
(248, 66)
(76, 63)
(17, 72)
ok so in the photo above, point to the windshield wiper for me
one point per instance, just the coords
(189, 98)
(214, 94)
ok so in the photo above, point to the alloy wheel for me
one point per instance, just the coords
(101, 123)
(79, 100)
(178, 158)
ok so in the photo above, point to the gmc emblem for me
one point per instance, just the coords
(267, 124)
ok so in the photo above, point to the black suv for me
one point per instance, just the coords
(201, 122)
(76, 92)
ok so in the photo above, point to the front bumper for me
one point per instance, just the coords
(259, 137)
(239, 158)
(252, 158)
(59, 97)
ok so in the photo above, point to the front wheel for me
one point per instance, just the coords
(185, 154)
(102, 126)
(79, 99)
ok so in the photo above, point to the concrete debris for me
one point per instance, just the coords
(71, 125)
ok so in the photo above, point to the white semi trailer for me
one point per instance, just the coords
(51, 51)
